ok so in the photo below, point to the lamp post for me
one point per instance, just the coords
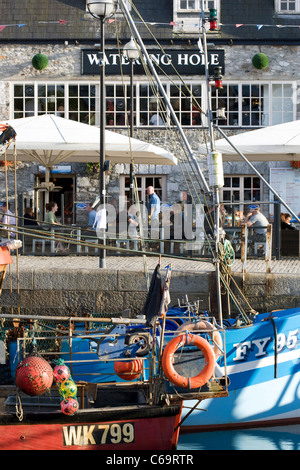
(100, 9)
(131, 52)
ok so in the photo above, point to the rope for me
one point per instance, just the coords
(19, 409)
(229, 255)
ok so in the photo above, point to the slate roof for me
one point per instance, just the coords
(60, 20)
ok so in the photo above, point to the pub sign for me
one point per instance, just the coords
(186, 62)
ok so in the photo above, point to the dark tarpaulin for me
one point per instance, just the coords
(154, 296)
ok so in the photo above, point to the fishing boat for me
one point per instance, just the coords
(263, 371)
(241, 371)
(131, 406)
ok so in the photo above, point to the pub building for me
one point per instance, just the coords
(50, 62)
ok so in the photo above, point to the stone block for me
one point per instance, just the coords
(110, 302)
(25, 280)
(81, 280)
(78, 302)
(132, 281)
(188, 283)
(134, 301)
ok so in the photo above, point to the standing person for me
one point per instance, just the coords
(92, 215)
(9, 219)
(133, 223)
(153, 210)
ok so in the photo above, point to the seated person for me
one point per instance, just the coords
(256, 220)
(51, 219)
(29, 218)
(286, 222)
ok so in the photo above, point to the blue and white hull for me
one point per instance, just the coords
(264, 387)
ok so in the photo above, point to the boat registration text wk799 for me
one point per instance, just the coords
(109, 433)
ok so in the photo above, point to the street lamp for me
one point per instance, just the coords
(131, 52)
(100, 9)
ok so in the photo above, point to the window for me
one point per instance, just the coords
(187, 17)
(24, 102)
(159, 183)
(73, 101)
(195, 5)
(287, 6)
(255, 104)
(252, 104)
(240, 189)
(81, 103)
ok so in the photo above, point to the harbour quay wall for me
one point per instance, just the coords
(111, 291)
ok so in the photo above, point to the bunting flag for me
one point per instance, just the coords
(58, 21)
(3, 26)
(152, 23)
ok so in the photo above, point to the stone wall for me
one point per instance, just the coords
(60, 292)
(76, 292)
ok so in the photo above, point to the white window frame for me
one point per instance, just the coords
(269, 98)
(278, 7)
(283, 106)
(233, 205)
(143, 177)
(206, 4)
(188, 19)
(241, 188)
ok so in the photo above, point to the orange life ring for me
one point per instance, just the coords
(204, 325)
(168, 357)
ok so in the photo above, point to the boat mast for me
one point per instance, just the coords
(214, 160)
(211, 156)
(163, 93)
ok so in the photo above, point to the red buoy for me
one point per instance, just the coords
(128, 370)
(34, 375)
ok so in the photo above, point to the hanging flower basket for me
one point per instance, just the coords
(11, 165)
(260, 61)
(295, 164)
(93, 168)
(39, 61)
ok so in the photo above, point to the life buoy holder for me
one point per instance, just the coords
(168, 358)
(205, 326)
